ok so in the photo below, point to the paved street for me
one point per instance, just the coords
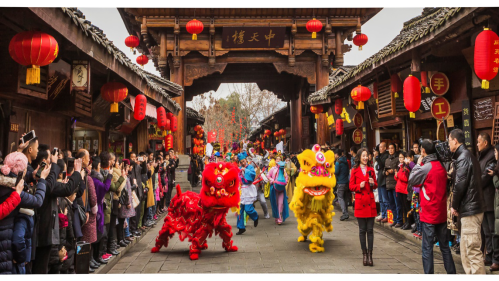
(273, 249)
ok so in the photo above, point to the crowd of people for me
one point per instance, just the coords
(52, 202)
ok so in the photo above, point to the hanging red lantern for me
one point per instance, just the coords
(168, 141)
(338, 106)
(142, 60)
(268, 132)
(139, 109)
(196, 141)
(201, 142)
(314, 26)
(339, 127)
(168, 125)
(197, 128)
(360, 40)
(360, 94)
(201, 131)
(161, 116)
(424, 81)
(33, 49)
(486, 59)
(194, 27)
(282, 132)
(195, 150)
(114, 92)
(173, 123)
(396, 84)
(316, 109)
(412, 95)
(132, 42)
(375, 91)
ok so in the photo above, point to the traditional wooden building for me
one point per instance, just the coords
(437, 46)
(62, 112)
(268, 46)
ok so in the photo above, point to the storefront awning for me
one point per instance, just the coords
(150, 109)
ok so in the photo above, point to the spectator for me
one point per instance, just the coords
(487, 162)
(467, 202)
(126, 209)
(417, 152)
(112, 203)
(495, 174)
(431, 176)
(382, 194)
(138, 190)
(391, 165)
(401, 188)
(341, 173)
(172, 165)
(363, 183)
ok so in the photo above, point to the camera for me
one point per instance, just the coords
(443, 151)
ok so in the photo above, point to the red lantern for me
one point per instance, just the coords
(316, 109)
(197, 128)
(268, 132)
(339, 127)
(139, 109)
(114, 92)
(314, 26)
(360, 40)
(201, 142)
(360, 94)
(168, 142)
(282, 132)
(375, 91)
(486, 56)
(33, 49)
(201, 131)
(142, 60)
(168, 125)
(195, 150)
(338, 106)
(412, 95)
(196, 142)
(396, 84)
(161, 116)
(132, 42)
(194, 27)
(424, 81)
(173, 123)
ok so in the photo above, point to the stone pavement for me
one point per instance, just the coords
(270, 248)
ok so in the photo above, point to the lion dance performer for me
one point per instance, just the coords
(195, 216)
(313, 196)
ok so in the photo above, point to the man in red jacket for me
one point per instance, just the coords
(431, 176)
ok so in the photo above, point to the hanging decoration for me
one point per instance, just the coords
(396, 84)
(194, 27)
(114, 92)
(316, 109)
(338, 106)
(168, 142)
(486, 57)
(197, 128)
(173, 123)
(424, 81)
(339, 127)
(132, 42)
(412, 95)
(360, 40)
(161, 117)
(360, 94)
(139, 109)
(33, 49)
(142, 60)
(314, 26)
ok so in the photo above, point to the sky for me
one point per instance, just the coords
(380, 29)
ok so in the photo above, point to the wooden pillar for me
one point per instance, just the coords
(296, 124)
(177, 76)
(322, 80)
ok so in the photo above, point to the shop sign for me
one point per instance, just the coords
(450, 121)
(155, 133)
(467, 122)
(357, 136)
(253, 37)
(358, 120)
(14, 127)
(439, 83)
(440, 108)
(364, 134)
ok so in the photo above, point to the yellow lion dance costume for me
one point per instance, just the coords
(313, 196)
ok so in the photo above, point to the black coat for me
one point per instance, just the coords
(487, 161)
(467, 191)
(47, 226)
(380, 159)
(137, 175)
(391, 163)
(171, 166)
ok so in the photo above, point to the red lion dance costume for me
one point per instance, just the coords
(195, 216)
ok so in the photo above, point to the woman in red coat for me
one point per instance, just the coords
(363, 182)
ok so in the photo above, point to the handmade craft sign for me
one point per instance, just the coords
(440, 108)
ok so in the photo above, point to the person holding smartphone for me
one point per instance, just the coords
(363, 183)
(172, 165)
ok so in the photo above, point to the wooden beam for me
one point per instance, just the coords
(177, 76)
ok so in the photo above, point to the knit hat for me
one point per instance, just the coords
(15, 162)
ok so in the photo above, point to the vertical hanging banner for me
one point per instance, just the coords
(467, 122)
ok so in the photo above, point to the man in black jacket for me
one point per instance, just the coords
(487, 161)
(467, 202)
(171, 166)
(137, 187)
(382, 193)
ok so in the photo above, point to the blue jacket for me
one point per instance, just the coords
(249, 175)
(341, 170)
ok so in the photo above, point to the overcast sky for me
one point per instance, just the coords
(380, 29)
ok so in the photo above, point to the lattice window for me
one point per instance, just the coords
(388, 105)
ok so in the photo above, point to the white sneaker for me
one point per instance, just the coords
(267, 216)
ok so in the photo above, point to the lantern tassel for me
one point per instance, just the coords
(427, 90)
(412, 115)
(376, 101)
(114, 107)
(33, 75)
(360, 105)
(360, 48)
(164, 134)
(316, 116)
(314, 34)
(194, 36)
(485, 84)
(396, 95)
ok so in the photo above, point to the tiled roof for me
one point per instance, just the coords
(191, 113)
(157, 83)
(415, 29)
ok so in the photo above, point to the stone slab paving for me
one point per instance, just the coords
(270, 248)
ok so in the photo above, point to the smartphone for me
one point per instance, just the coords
(54, 151)
(42, 166)
(29, 136)
(19, 177)
(64, 175)
(71, 163)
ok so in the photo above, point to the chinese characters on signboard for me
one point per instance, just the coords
(439, 83)
(440, 108)
(253, 37)
(467, 122)
(357, 136)
(358, 120)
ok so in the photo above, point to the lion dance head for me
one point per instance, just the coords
(220, 185)
(313, 196)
